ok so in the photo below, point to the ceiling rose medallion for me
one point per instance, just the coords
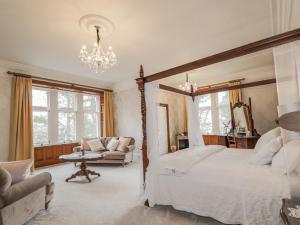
(98, 58)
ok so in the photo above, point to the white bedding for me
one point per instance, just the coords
(180, 162)
(224, 186)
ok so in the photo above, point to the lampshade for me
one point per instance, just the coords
(290, 116)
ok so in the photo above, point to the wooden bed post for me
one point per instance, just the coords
(141, 86)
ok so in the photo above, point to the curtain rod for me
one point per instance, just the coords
(218, 84)
(55, 81)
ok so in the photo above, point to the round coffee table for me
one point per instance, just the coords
(83, 159)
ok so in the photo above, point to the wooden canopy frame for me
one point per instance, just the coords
(263, 44)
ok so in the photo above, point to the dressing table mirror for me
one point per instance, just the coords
(243, 134)
(241, 119)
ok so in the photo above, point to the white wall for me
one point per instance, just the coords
(128, 121)
(176, 112)
(264, 106)
(5, 94)
(5, 97)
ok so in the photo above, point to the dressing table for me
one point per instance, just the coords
(242, 134)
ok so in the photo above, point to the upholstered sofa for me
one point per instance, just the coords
(110, 157)
(23, 200)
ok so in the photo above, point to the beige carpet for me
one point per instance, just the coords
(112, 199)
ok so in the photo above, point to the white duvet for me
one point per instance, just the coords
(222, 184)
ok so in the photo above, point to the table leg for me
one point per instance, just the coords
(83, 172)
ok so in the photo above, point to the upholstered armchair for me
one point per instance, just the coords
(21, 201)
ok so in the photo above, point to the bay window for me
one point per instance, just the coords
(64, 116)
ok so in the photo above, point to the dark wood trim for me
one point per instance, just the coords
(172, 89)
(240, 86)
(49, 154)
(141, 86)
(168, 124)
(42, 83)
(266, 43)
(58, 83)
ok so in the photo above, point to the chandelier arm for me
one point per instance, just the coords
(98, 36)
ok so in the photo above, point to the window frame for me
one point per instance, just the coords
(42, 109)
(215, 113)
(53, 112)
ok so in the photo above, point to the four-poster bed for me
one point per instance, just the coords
(167, 184)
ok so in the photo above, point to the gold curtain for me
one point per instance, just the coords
(235, 96)
(21, 146)
(185, 115)
(108, 115)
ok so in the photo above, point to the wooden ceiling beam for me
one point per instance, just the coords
(175, 90)
(263, 44)
(234, 87)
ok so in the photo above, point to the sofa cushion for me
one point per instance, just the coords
(95, 145)
(113, 144)
(123, 143)
(18, 170)
(24, 188)
(85, 146)
(118, 155)
(106, 140)
(5, 180)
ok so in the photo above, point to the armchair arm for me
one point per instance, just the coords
(24, 188)
(129, 148)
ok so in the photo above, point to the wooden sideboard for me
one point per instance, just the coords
(48, 155)
(211, 139)
(241, 141)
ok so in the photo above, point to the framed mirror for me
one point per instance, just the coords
(241, 119)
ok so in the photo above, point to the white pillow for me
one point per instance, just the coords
(19, 170)
(264, 156)
(95, 145)
(266, 138)
(112, 145)
(279, 163)
(123, 143)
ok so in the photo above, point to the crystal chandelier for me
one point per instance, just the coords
(98, 59)
(188, 86)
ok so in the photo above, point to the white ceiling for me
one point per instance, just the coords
(157, 34)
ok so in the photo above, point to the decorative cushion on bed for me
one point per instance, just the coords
(264, 156)
(123, 143)
(112, 145)
(5, 180)
(266, 138)
(19, 170)
(95, 145)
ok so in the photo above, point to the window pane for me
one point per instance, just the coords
(40, 127)
(223, 98)
(66, 126)
(205, 100)
(91, 103)
(224, 118)
(39, 98)
(205, 121)
(90, 124)
(66, 100)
